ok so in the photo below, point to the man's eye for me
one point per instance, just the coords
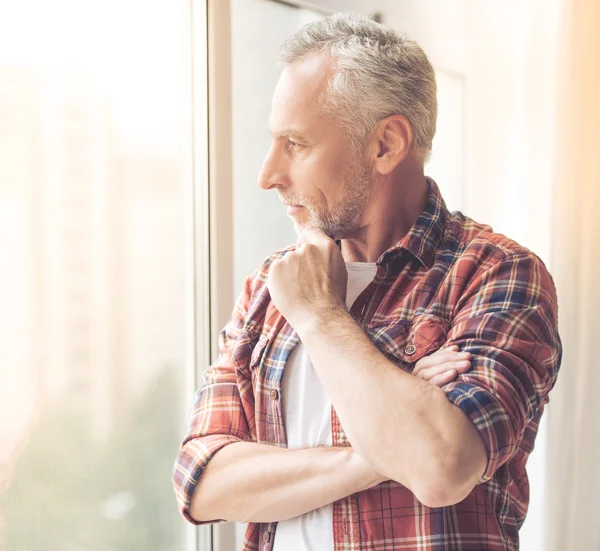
(294, 145)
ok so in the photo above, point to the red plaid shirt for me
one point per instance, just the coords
(450, 280)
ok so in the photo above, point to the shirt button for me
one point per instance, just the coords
(266, 537)
(410, 349)
(273, 395)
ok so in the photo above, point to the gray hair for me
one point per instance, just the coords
(379, 73)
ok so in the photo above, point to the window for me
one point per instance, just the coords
(96, 283)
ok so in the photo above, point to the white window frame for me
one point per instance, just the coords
(198, 352)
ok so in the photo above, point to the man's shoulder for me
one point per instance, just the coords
(479, 244)
(493, 264)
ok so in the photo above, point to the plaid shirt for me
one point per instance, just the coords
(450, 280)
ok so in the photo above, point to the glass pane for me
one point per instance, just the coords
(258, 28)
(447, 163)
(92, 122)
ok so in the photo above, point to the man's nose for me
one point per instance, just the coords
(272, 172)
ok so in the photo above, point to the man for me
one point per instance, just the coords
(312, 425)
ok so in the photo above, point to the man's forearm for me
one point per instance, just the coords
(402, 425)
(250, 482)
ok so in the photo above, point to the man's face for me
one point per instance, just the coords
(311, 162)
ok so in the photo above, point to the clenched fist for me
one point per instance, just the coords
(310, 280)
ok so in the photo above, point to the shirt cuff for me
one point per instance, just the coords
(189, 466)
(490, 419)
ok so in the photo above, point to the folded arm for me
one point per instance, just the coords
(441, 443)
(250, 482)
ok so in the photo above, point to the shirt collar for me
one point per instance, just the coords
(423, 238)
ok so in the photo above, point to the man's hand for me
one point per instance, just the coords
(310, 280)
(443, 365)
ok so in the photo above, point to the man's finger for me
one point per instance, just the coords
(312, 234)
(444, 378)
(438, 357)
(300, 241)
(430, 372)
(441, 356)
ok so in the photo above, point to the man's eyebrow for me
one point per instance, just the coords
(287, 133)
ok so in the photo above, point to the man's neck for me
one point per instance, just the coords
(389, 217)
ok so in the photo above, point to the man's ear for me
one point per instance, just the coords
(391, 142)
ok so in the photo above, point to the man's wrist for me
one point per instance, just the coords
(369, 476)
(320, 319)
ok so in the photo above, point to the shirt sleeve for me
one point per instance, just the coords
(507, 320)
(217, 417)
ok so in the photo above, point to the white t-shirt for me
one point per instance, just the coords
(307, 416)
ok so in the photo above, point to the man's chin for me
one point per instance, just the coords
(301, 222)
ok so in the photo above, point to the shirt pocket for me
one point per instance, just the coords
(405, 341)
